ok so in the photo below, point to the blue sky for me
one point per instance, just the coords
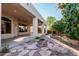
(48, 9)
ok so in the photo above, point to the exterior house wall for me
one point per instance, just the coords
(14, 27)
(15, 23)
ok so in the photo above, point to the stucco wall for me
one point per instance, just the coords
(14, 27)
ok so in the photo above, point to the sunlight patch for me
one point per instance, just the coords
(19, 39)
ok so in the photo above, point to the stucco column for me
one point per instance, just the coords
(0, 26)
(42, 28)
(28, 29)
(35, 26)
(46, 29)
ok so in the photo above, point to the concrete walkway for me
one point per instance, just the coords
(27, 46)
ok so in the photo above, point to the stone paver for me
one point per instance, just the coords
(13, 51)
(23, 52)
(36, 54)
(30, 48)
(31, 53)
(50, 45)
(21, 49)
(7, 54)
(44, 48)
(45, 53)
(17, 47)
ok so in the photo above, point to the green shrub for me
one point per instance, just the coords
(42, 36)
(37, 37)
(49, 32)
(42, 39)
(4, 50)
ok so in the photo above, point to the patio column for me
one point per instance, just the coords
(35, 26)
(42, 28)
(28, 29)
(0, 26)
(46, 29)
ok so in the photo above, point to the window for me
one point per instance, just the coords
(5, 25)
(22, 28)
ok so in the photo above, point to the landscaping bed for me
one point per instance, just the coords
(64, 39)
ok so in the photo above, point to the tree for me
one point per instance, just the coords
(59, 26)
(71, 13)
(50, 22)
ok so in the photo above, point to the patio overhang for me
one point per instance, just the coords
(16, 10)
(19, 12)
(22, 14)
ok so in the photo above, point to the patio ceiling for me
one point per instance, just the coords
(16, 10)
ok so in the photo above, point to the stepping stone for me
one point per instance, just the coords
(55, 47)
(50, 45)
(23, 52)
(44, 48)
(7, 54)
(45, 53)
(32, 46)
(30, 42)
(32, 52)
(25, 44)
(21, 49)
(13, 51)
(14, 44)
(36, 54)
(64, 50)
(17, 47)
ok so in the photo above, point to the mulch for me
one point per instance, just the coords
(64, 39)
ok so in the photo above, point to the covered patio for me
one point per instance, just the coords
(20, 19)
(21, 24)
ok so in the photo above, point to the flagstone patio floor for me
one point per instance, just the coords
(27, 46)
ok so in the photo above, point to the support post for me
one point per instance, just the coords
(35, 26)
(46, 29)
(28, 29)
(0, 26)
(42, 28)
